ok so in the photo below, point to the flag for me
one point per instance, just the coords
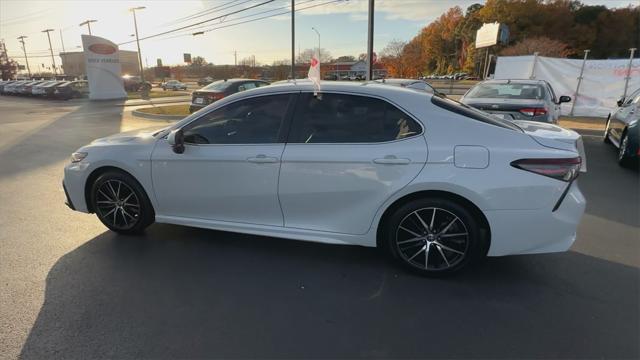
(314, 73)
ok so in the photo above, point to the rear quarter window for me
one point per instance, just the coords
(472, 113)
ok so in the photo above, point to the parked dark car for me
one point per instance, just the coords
(221, 88)
(205, 81)
(131, 83)
(409, 84)
(532, 100)
(623, 131)
(71, 89)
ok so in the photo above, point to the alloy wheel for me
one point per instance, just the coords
(622, 152)
(117, 204)
(432, 239)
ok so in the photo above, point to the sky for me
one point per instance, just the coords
(342, 25)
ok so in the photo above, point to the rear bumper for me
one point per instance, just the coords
(537, 231)
(195, 107)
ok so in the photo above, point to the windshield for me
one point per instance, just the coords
(470, 112)
(507, 91)
(219, 85)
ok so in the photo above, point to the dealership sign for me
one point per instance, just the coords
(490, 34)
(103, 68)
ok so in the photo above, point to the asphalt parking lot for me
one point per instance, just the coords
(72, 290)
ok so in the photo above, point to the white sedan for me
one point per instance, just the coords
(434, 183)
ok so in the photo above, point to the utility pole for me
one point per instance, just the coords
(235, 58)
(62, 41)
(88, 23)
(53, 60)
(370, 41)
(626, 82)
(135, 24)
(21, 38)
(293, 39)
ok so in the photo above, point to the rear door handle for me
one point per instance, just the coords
(262, 159)
(392, 160)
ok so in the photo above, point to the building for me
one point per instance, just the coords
(73, 63)
(348, 69)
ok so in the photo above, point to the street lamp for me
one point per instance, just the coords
(51, 50)
(198, 33)
(135, 24)
(314, 29)
(88, 23)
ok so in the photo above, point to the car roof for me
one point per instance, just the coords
(371, 88)
(514, 81)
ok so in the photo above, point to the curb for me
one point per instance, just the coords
(157, 116)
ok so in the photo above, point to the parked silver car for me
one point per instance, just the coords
(532, 100)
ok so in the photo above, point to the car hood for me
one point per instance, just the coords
(554, 136)
(139, 136)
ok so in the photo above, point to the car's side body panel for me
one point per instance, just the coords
(338, 194)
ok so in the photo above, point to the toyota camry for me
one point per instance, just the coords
(434, 183)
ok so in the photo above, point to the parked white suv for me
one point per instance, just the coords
(433, 182)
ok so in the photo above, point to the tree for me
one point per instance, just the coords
(8, 67)
(306, 55)
(345, 58)
(542, 45)
(198, 61)
(391, 57)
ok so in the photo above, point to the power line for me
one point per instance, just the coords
(216, 27)
(199, 23)
(205, 12)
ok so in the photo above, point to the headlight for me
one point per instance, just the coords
(78, 156)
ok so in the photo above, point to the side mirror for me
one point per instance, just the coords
(176, 140)
(620, 101)
(564, 99)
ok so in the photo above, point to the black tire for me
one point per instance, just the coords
(605, 138)
(132, 212)
(625, 157)
(448, 250)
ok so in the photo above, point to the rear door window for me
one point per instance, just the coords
(340, 118)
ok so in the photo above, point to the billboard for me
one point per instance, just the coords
(490, 34)
(103, 68)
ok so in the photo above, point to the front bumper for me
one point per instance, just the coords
(75, 177)
(537, 231)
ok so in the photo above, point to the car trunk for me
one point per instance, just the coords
(554, 136)
(510, 109)
(205, 97)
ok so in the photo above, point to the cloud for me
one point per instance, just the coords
(424, 11)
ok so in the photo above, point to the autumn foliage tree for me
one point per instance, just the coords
(562, 28)
(542, 45)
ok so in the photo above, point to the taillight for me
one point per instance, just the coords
(215, 96)
(565, 169)
(533, 111)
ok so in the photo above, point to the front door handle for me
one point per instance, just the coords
(263, 159)
(392, 160)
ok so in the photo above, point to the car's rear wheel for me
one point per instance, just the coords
(625, 157)
(121, 203)
(434, 237)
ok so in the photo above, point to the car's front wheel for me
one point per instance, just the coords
(433, 237)
(121, 203)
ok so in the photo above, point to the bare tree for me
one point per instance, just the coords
(306, 55)
(392, 57)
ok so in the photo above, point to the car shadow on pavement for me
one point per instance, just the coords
(618, 199)
(61, 133)
(180, 292)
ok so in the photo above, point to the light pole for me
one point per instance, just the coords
(317, 33)
(21, 38)
(88, 23)
(370, 41)
(135, 24)
(293, 39)
(53, 60)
